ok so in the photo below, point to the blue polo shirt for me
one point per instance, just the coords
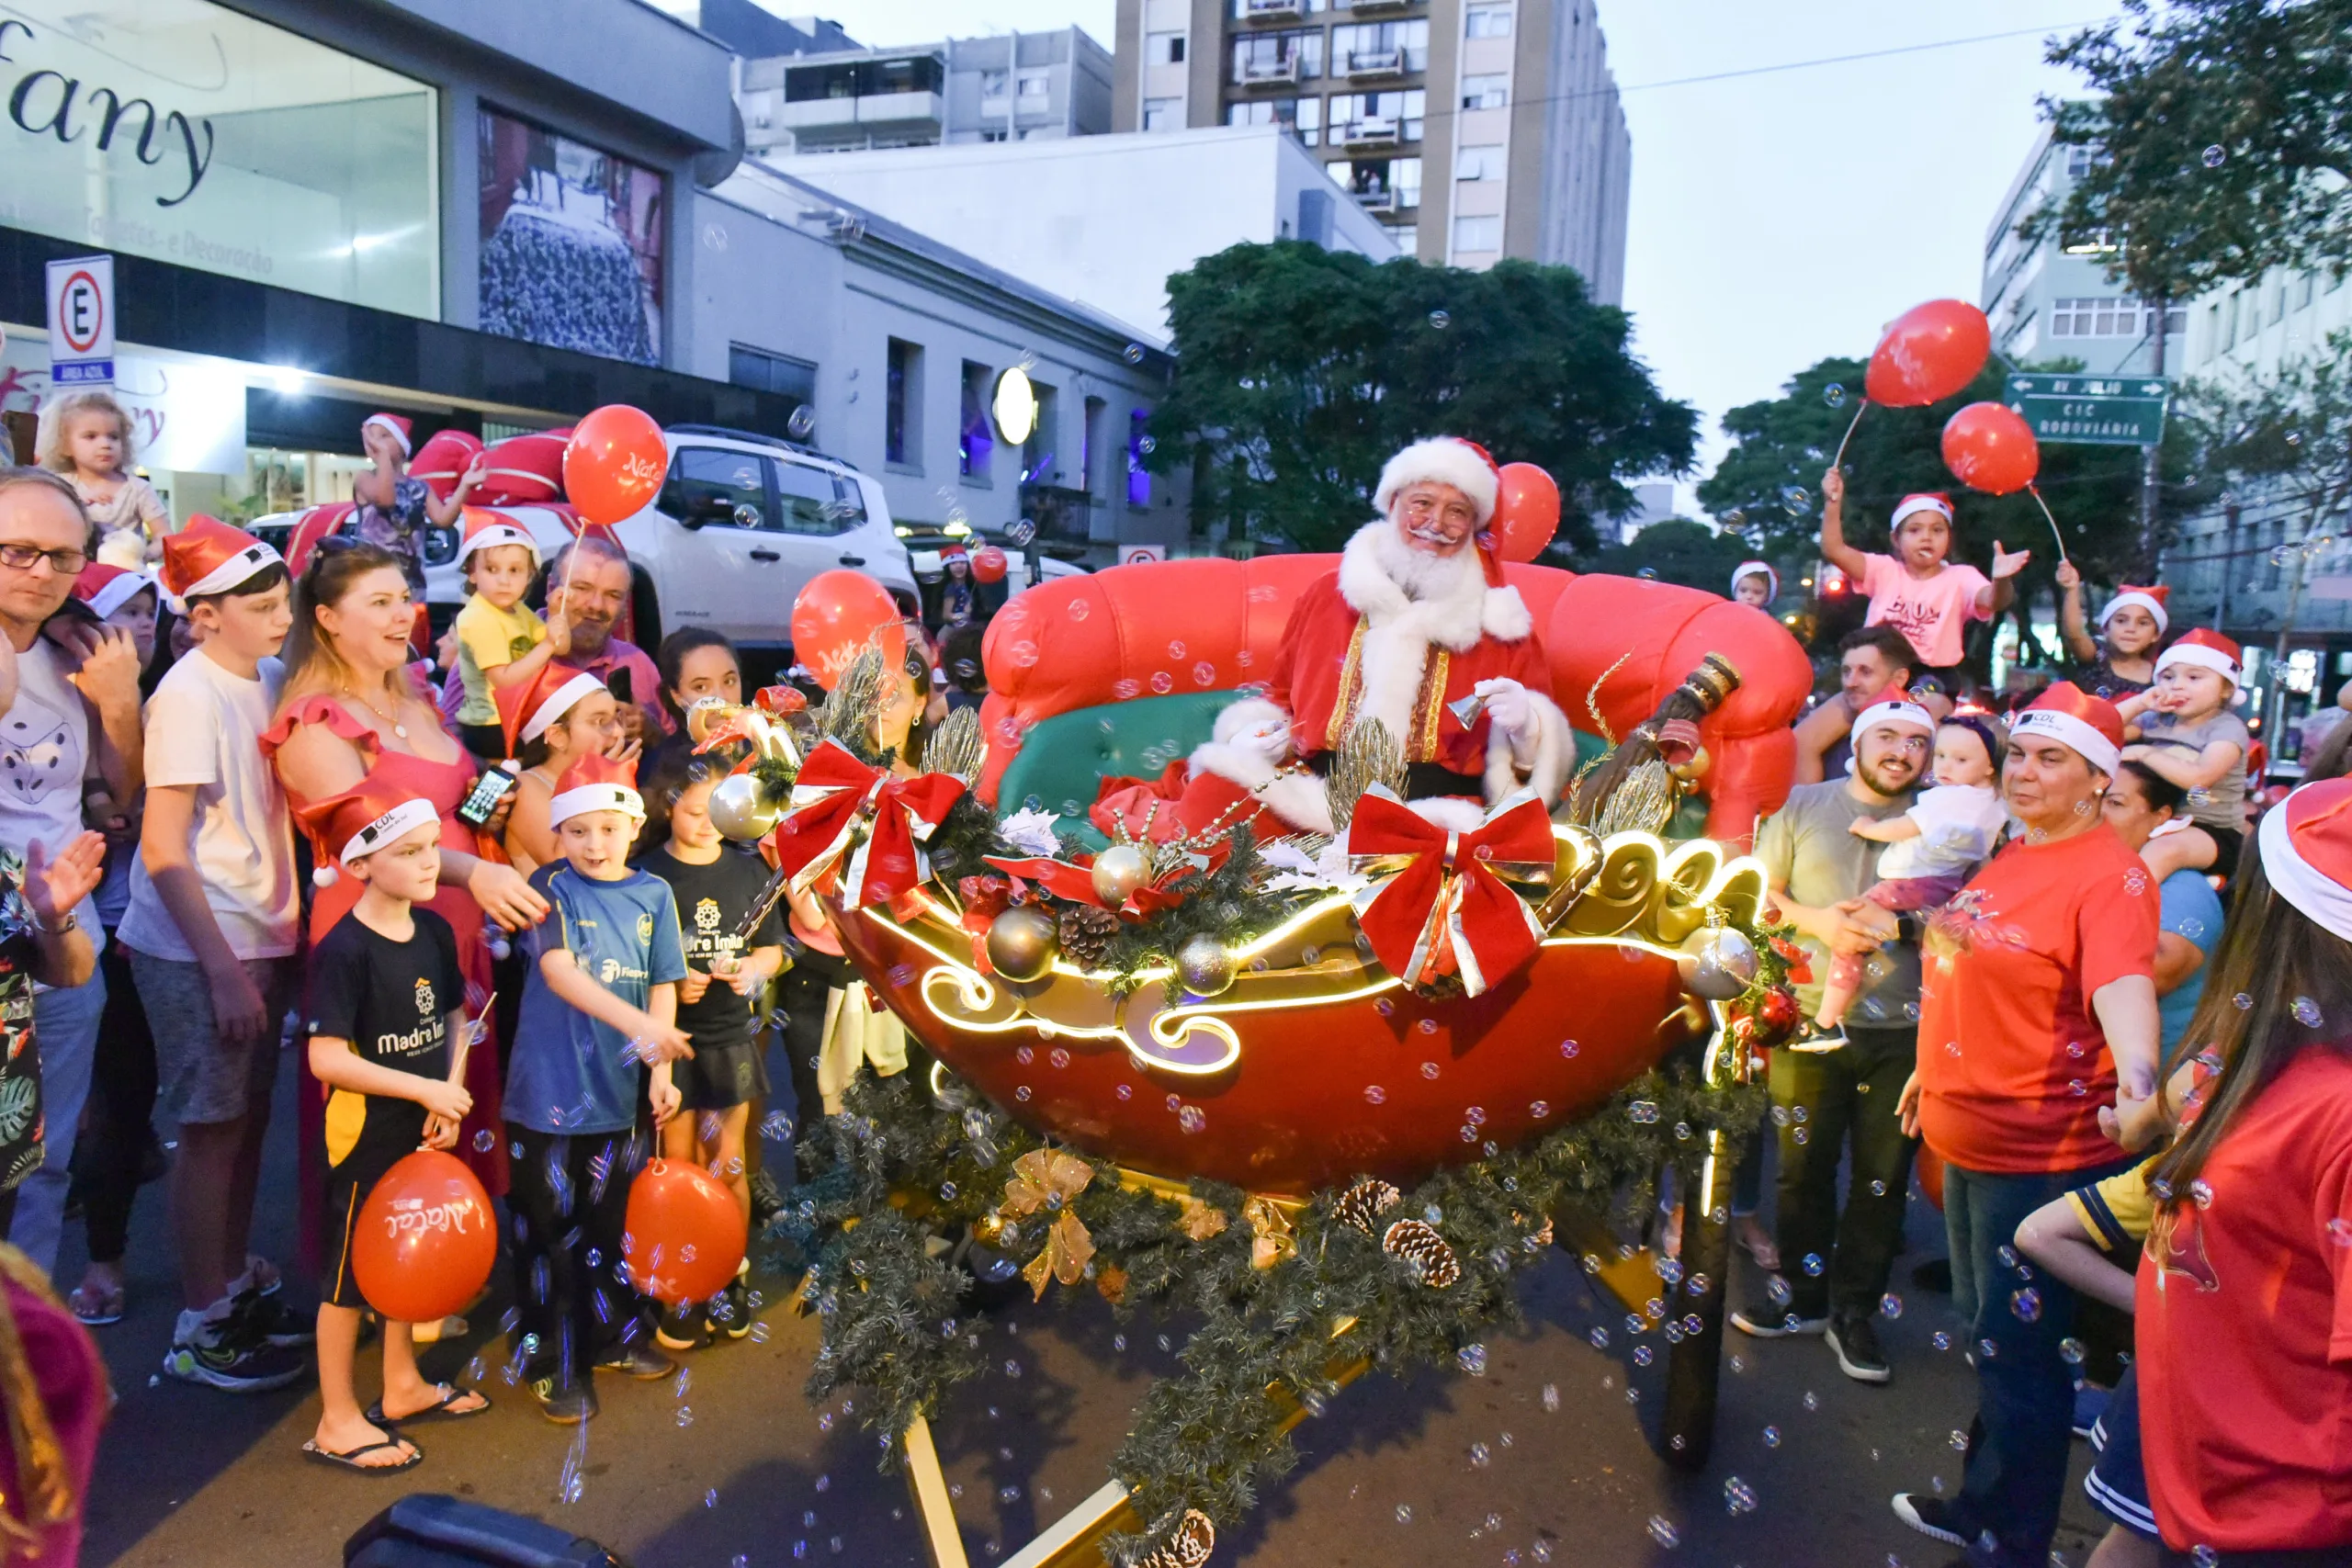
(2192, 910)
(569, 1073)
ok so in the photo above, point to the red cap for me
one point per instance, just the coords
(2073, 717)
(2307, 852)
(209, 557)
(360, 821)
(2206, 648)
(527, 710)
(596, 783)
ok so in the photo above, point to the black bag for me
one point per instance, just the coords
(432, 1529)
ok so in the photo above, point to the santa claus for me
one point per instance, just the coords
(1416, 620)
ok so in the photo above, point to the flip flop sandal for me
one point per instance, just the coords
(96, 1310)
(349, 1457)
(451, 1395)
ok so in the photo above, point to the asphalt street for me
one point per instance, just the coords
(1542, 1459)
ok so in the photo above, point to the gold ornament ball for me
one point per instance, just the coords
(987, 1227)
(1118, 872)
(737, 811)
(1021, 944)
(1692, 768)
(1205, 965)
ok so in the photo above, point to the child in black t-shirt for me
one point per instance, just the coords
(386, 1001)
(716, 885)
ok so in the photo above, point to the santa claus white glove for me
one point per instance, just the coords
(1508, 706)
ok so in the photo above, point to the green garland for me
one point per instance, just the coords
(900, 1164)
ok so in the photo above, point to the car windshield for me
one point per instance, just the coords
(817, 501)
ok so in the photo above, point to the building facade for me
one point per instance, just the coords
(1015, 87)
(1473, 129)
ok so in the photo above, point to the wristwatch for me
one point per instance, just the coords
(71, 922)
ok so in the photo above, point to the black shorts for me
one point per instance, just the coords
(2118, 1483)
(486, 741)
(720, 1077)
(348, 1185)
(2227, 842)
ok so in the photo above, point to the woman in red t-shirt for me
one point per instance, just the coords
(2038, 1027)
(2245, 1291)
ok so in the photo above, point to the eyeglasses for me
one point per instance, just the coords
(65, 563)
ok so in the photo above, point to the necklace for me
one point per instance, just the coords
(400, 730)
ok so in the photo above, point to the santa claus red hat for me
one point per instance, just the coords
(1933, 501)
(527, 710)
(2087, 725)
(209, 557)
(596, 783)
(361, 820)
(1757, 569)
(2307, 852)
(1897, 709)
(2149, 599)
(105, 589)
(393, 425)
(486, 530)
(2206, 648)
(1442, 459)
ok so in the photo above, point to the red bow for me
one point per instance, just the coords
(1447, 908)
(829, 799)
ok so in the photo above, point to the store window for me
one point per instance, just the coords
(1092, 440)
(902, 407)
(975, 443)
(570, 243)
(765, 372)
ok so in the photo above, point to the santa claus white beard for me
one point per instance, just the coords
(1426, 576)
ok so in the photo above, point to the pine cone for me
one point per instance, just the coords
(1086, 933)
(1189, 1546)
(1420, 1245)
(1362, 1204)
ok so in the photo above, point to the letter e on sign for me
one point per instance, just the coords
(81, 321)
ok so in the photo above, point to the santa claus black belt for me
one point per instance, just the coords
(1422, 780)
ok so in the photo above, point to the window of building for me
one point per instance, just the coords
(902, 406)
(1357, 117)
(1478, 164)
(1486, 21)
(1385, 184)
(2080, 161)
(1378, 46)
(1273, 10)
(1163, 114)
(2278, 302)
(758, 369)
(1090, 445)
(1037, 86)
(1477, 234)
(1138, 479)
(2304, 290)
(1292, 56)
(1164, 49)
(975, 445)
(1487, 92)
(1039, 453)
(1406, 236)
(2110, 317)
(1302, 118)
(2230, 322)
(864, 78)
(995, 84)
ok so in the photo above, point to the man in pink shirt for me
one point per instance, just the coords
(1917, 589)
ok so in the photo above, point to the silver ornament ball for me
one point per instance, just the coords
(1717, 964)
(1021, 944)
(1205, 965)
(1118, 872)
(737, 811)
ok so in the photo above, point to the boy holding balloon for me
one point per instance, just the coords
(386, 998)
(1918, 590)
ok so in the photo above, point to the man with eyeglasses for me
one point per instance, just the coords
(75, 721)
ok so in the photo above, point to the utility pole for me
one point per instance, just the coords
(2152, 456)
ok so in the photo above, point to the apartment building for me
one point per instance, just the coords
(1473, 130)
(1012, 87)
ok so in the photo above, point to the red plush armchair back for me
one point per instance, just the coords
(1215, 625)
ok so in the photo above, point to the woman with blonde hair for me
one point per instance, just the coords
(87, 437)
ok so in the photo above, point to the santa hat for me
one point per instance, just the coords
(360, 821)
(2307, 852)
(1897, 709)
(1442, 459)
(105, 589)
(596, 783)
(1750, 569)
(2073, 718)
(955, 552)
(1248, 714)
(209, 557)
(2149, 599)
(486, 530)
(1933, 501)
(393, 424)
(527, 710)
(2206, 648)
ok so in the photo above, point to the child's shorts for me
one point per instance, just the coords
(348, 1185)
(2117, 1484)
(2227, 842)
(720, 1077)
(1907, 894)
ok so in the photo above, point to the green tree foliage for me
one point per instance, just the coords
(1678, 550)
(2224, 132)
(1300, 370)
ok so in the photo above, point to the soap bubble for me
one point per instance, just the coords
(1890, 1306)
(2216, 155)
(1441, 319)
(1739, 1497)
(2027, 1305)
(1404, 1513)
(1480, 1455)
(1834, 395)
(1772, 1437)
(1663, 1532)
(2307, 1012)
(1473, 1358)
(1795, 499)
(1134, 355)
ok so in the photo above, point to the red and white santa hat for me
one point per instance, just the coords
(596, 783)
(393, 425)
(2073, 717)
(1442, 459)
(1895, 707)
(486, 530)
(1933, 501)
(2209, 650)
(2307, 852)
(361, 820)
(209, 557)
(105, 589)
(2149, 599)
(1756, 568)
(527, 710)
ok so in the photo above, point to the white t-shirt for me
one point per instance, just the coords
(1957, 826)
(204, 726)
(44, 756)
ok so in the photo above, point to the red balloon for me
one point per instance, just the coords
(614, 465)
(989, 564)
(1931, 1176)
(833, 618)
(686, 1233)
(426, 1240)
(1990, 448)
(1527, 512)
(1931, 351)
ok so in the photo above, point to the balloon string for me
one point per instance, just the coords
(2030, 491)
(1849, 433)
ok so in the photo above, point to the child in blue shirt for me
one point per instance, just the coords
(596, 1035)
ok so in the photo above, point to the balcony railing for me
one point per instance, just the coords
(1380, 8)
(1367, 64)
(1376, 200)
(1257, 10)
(1368, 133)
(1266, 72)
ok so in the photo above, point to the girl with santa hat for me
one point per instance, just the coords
(2122, 662)
(2185, 730)
(394, 509)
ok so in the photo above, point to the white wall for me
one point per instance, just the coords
(1100, 219)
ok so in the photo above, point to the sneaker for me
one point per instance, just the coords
(1854, 1341)
(1931, 1516)
(637, 1361)
(566, 1407)
(225, 1353)
(679, 1327)
(1817, 1037)
(270, 1316)
(732, 1313)
(767, 1200)
(1783, 1327)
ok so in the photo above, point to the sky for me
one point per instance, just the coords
(1776, 218)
